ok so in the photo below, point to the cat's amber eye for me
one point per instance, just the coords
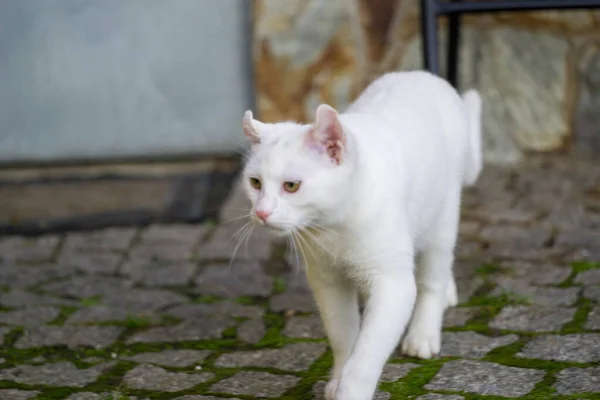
(291, 187)
(255, 183)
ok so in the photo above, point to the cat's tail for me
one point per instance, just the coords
(473, 165)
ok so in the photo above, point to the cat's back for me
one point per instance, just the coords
(419, 93)
(415, 111)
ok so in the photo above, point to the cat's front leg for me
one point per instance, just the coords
(337, 300)
(390, 299)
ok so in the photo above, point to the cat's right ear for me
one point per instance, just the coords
(251, 127)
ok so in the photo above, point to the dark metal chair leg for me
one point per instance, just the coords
(430, 35)
(453, 49)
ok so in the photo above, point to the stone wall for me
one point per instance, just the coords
(538, 72)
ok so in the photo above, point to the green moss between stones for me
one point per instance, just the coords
(584, 306)
(486, 270)
(65, 313)
(411, 386)
(576, 268)
(580, 266)
(91, 301)
(279, 285)
(207, 298)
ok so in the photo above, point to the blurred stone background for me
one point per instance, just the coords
(538, 72)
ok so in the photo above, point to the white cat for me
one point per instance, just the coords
(367, 195)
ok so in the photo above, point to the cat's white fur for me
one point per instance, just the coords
(377, 211)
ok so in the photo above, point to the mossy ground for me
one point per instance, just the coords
(409, 387)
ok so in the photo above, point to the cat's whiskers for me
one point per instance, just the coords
(296, 237)
(239, 231)
(246, 230)
(232, 220)
(292, 245)
(316, 239)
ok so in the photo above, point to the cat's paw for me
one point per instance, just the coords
(331, 389)
(421, 345)
(451, 294)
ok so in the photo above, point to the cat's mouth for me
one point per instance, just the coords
(278, 232)
(274, 229)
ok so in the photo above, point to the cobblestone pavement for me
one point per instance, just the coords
(159, 313)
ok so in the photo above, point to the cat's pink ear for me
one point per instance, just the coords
(251, 127)
(327, 133)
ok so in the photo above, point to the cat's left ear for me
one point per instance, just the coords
(328, 134)
(251, 127)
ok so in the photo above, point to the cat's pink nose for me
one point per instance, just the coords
(263, 215)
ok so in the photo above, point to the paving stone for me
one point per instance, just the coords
(169, 252)
(198, 397)
(485, 378)
(201, 328)
(511, 250)
(90, 262)
(472, 345)
(171, 358)
(109, 239)
(23, 276)
(114, 395)
(56, 374)
(173, 234)
(257, 384)
(230, 308)
(578, 380)
(85, 396)
(92, 360)
(293, 300)
(578, 238)
(143, 300)
(160, 274)
(251, 331)
(294, 357)
(243, 279)
(593, 320)
(15, 394)
(469, 228)
(535, 237)
(543, 296)
(467, 250)
(30, 316)
(577, 347)
(149, 377)
(223, 242)
(306, 327)
(21, 298)
(28, 249)
(98, 314)
(466, 281)
(88, 286)
(533, 318)
(592, 293)
(395, 372)
(318, 392)
(507, 216)
(539, 274)
(435, 396)
(458, 316)
(71, 336)
(590, 277)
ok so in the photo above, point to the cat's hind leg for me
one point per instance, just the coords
(435, 286)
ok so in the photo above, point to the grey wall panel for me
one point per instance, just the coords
(118, 78)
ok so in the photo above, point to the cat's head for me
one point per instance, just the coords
(297, 176)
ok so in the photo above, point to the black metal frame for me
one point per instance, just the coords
(432, 9)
